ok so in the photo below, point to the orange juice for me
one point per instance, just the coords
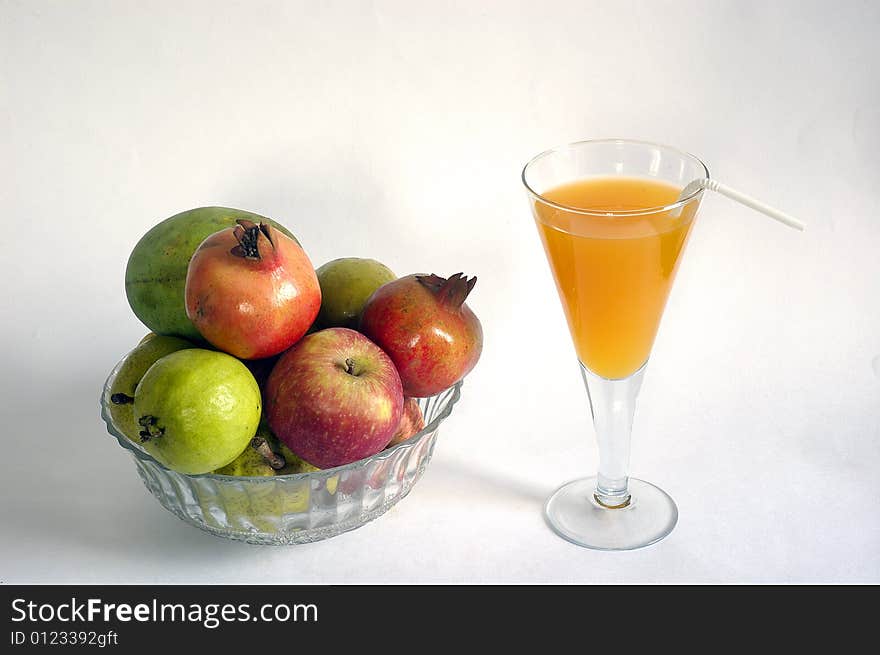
(613, 272)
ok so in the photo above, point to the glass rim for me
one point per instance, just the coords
(624, 212)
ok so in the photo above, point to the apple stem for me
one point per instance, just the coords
(150, 428)
(349, 366)
(121, 399)
(274, 460)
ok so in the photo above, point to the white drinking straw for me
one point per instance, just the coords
(742, 198)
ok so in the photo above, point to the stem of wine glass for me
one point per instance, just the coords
(613, 403)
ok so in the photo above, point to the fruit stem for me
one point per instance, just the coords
(248, 235)
(272, 458)
(349, 366)
(451, 292)
(150, 428)
(121, 399)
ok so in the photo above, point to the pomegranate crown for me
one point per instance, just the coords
(249, 236)
(452, 291)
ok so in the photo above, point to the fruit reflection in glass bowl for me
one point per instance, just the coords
(294, 508)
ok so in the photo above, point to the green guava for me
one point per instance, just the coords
(346, 285)
(151, 348)
(260, 459)
(294, 463)
(250, 464)
(262, 506)
(155, 276)
(197, 410)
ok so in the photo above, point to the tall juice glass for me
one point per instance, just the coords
(614, 229)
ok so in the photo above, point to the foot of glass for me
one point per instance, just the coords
(576, 515)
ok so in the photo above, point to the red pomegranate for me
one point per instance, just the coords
(424, 325)
(251, 290)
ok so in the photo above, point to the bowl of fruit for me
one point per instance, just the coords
(274, 403)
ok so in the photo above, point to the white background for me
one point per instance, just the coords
(397, 130)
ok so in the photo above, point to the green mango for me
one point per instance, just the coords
(155, 276)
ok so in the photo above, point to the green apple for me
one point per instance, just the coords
(197, 410)
(346, 285)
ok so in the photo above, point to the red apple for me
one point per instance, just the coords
(424, 325)
(411, 421)
(251, 290)
(334, 398)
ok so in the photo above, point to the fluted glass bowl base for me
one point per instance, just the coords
(574, 514)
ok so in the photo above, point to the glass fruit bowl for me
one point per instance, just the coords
(297, 508)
